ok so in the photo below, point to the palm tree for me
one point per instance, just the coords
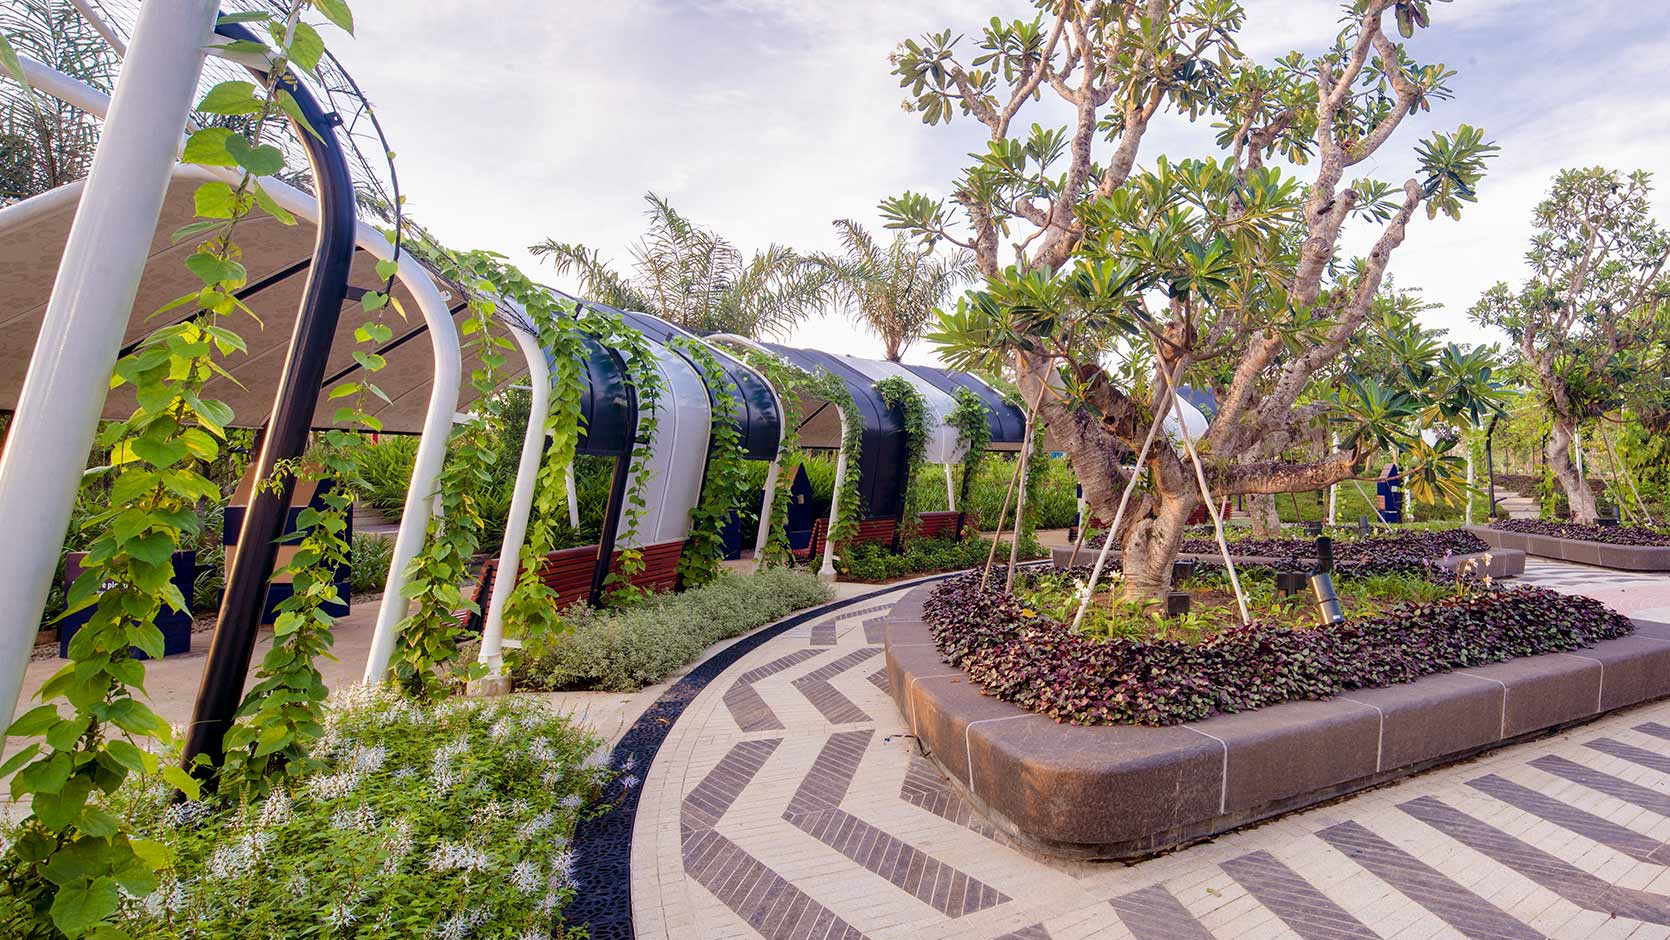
(45, 143)
(694, 277)
(893, 291)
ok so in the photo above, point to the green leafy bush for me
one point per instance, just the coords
(873, 562)
(370, 564)
(624, 650)
(439, 820)
(1051, 501)
(383, 471)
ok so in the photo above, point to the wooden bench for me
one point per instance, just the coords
(567, 571)
(870, 530)
(938, 525)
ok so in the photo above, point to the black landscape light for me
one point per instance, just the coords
(1177, 603)
(1182, 570)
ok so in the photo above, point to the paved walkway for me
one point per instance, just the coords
(788, 802)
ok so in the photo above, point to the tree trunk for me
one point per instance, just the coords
(1578, 494)
(1266, 521)
(1150, 546)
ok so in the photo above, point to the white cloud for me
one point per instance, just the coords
(767, 119)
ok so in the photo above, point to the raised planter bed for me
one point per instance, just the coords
(1126, 791)
(1503, 563)
(1624, 557)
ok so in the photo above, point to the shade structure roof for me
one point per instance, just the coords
(881, 464)
(1005, 421)
(277, 256)
(678, 426)
(944, 444)
(758, 419)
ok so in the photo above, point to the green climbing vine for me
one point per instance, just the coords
(726, 484)
(898, 392)
(69, 860)
(786, 381)
(426, 646)
(832, 389)
(282, 715)
(974, 432)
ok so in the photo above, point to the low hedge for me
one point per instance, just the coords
(870, 561)
(1035, 662)
(625, 650)
(1410, 551)
(1609, 535)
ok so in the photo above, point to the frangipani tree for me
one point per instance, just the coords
(1588, 320)
(695, 278)
(1228, 267)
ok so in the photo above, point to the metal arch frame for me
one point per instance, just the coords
(826, 572)
(521, 498)
(444, 386)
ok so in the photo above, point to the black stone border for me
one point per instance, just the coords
(1129, 791)
(603, 844)
(1579, 551)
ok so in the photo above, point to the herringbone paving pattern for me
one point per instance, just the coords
(790, 802)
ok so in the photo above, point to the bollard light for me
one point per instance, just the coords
(1177, 603)
(1328, 608)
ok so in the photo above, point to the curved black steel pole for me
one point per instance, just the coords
(1490, 464)
(617, 499)
(294, 402)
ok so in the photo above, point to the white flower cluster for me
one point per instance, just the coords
(526, 877)
(333, 786)
(562, 866)
(456, 856)
(236, 859)
(170, 897)
(461, 925)
(530, 829)
(397, 844)
(369, 759)
(540, 750)
(443, 775)
(357, 819)
(571, 802)
(276, 810)
(187, 814)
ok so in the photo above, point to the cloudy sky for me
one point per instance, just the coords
(519, 120)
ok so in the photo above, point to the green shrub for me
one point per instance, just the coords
(624, 650)
(873, 562)
(371, 557)
(385, 470)
(425, 819)
(1050, 503)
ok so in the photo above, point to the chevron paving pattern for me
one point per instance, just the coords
(790, 802)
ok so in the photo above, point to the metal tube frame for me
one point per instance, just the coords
(92, 299)
(521, 505)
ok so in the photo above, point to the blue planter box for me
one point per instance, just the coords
(175, 625)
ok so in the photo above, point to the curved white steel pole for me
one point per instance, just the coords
(775, 470)
(950, 491)
(521, 503)
(81, 332)
(827, 572)
(573, 489)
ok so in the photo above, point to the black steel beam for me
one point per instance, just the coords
(295, 399)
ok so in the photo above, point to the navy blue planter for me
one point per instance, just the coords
(174, 624)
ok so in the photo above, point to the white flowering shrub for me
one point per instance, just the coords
(625, 650)
(444, 821)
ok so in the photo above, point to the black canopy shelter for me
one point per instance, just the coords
(882, 463)
(1006, 422)
(758, 419)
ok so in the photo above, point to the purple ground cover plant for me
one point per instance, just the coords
(1020, 656)
(1610, 535)
(1412, 551)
